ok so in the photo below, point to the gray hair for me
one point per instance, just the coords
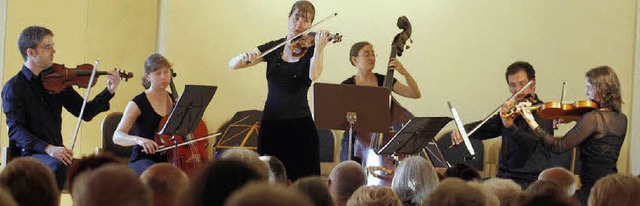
(506, 190)
(249, 157)
(414, 180)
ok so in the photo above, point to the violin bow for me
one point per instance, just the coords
(495, 110)
(463, 133)
(292, 38)
(84, 103)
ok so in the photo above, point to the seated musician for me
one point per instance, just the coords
(363, 57)
(143, 114)
(33, 114)
(598, 134)
(521, 159)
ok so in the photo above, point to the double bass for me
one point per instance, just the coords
(380, 168)
(190, 158)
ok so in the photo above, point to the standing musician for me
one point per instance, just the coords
(287, 130)
(598, 134)
(521, 159)
(363, 57)
(143, 115)
(34, 115)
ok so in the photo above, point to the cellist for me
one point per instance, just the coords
(143, 115)
(363, 57)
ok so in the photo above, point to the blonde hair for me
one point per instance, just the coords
(374, 196)
(615, 189)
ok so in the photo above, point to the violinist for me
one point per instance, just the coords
(34, 115)
(521, 159)
(287, 130)
(143, 114)
(363, 57)
(598, 134)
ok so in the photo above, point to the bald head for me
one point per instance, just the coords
(167, 183)
(345, 179)
(561, 177)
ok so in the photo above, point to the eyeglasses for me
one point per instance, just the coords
(47, 47)
(367, 55)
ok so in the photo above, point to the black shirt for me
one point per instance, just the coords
(34, 115)
(288, 84)
(379, 77)
(145, 126)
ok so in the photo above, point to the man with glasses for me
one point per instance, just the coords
(363, 57)
(34, 115)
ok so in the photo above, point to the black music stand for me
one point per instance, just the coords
(351, 107)
(186, 115)
(414, 135)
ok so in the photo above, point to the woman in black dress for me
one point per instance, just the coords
(598, 134)
(287, 130)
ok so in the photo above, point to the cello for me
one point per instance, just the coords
(380, 168)
(190, 158)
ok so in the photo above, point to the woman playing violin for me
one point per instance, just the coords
(143, 115)
(598, 134)
(363, 57)
(287, 130)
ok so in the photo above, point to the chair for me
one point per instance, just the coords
(109, 125)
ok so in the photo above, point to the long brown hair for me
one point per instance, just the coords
(606, 87)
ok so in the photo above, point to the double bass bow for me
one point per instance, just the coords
(380, 167)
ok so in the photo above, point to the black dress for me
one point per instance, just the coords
(599, 136)
(287, 130)
(145, 126)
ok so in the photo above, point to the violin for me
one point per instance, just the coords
(61, 77)
(558, 110)
(301, 44)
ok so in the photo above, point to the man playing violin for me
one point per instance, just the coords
(287, 130)
(34, 115)
(521, 159)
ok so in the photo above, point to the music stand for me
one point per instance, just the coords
(186, 115)
(351, 107)
(414, 135)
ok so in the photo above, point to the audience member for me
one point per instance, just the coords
(219, 180)
(463, 171)
(278, 172)
(6, 199)
(249, 157)
(506, 190)
(562, 177)
(454, 192)
(110, 185)
(259, 194)
(316, 188)
(615, 189)
(30, 182)
(87, 163)
(166, 182)
(374, 196)
(345, 179)
(415, 178)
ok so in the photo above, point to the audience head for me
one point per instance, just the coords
(615, 189)
(345, 179)
(506, 190)
(463, 171)
(414, 179)
(166, 182)
(316, 189)
(278, 172)
(219, 180)
(258, 194)
(374, 196)
(87, 163)
(6, 199)
(455, 191)
(249, 157)
(562, 177)
(26, 178)
(110, 185)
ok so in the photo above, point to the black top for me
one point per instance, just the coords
(599, 136)
(34, 115)
(288, 84)
(522, 156)
(380, 77)
(145, 126)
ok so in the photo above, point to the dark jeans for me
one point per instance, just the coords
(58, 168)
